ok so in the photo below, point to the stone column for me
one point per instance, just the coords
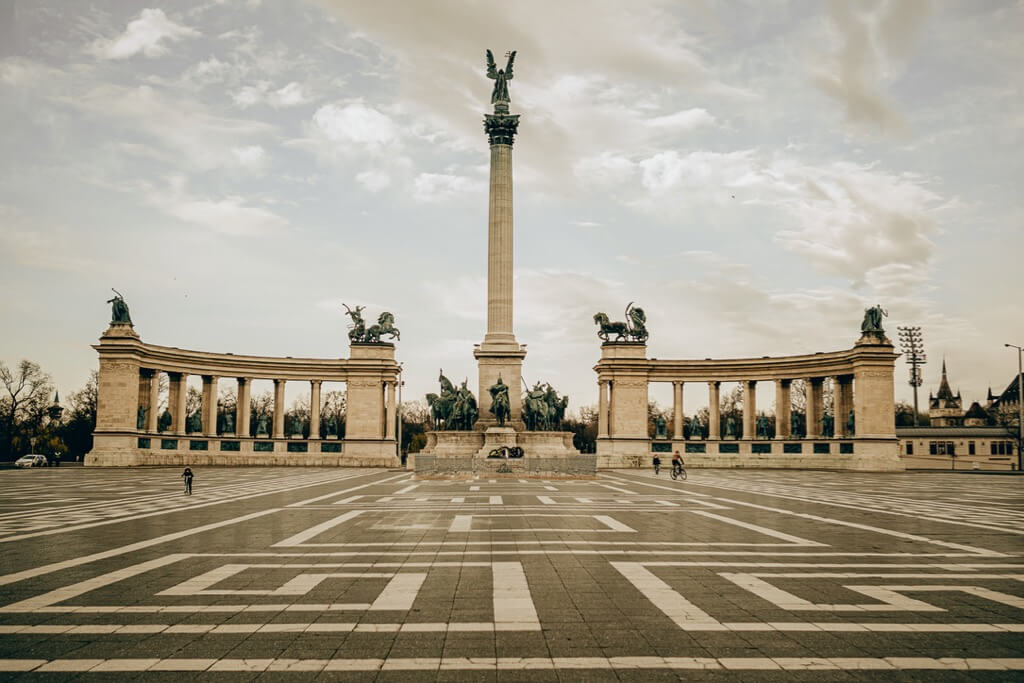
(677, 410)
(749, 409)
(154, 402)
(143, 394)
(714, 414)
(389, 432)
(210, 405)
(839, 408)
(500, 355)
(602, 408)
(783, 409)
(815, 406)
(176, 401)
(314, 408)
(278, 429)
(846, 384)
(243, 412)
(365, 408)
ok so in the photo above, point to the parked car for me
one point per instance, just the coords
(31, 460)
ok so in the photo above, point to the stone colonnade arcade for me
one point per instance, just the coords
(863, 384)
(127, 424)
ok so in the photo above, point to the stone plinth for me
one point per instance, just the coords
(464, 454)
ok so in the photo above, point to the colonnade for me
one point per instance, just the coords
(863, 384)
(815, 408)
(129, 387)
(149, 387)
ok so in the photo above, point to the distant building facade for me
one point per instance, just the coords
(961, 440)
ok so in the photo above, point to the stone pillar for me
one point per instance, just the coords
(628, 411)
(117, 400)
(209, 405)
(178, 391)
(714, 411)
(602, 408)
(243, 411)
(365, 408)
(677, 410)
(314, 408)
(154, 402)
(783, 409)
(815, 406)
(278, 429)
(389, 432)
(749, 409)
(873, 407)
(839, 408)
(500, 355)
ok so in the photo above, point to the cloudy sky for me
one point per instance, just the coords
(752, 174)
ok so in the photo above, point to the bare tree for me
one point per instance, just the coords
(27, 393)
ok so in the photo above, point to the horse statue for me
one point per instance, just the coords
(556, 407)
(619, 329)
(441, 406)
(536, 409)
(357, 331)
(385, 325)
(500, 406)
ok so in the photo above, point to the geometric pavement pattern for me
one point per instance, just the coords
(372, 574)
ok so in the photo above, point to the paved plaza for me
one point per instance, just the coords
(366, 574)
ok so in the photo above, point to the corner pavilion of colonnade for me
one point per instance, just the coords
(863, 387)
(127, 424)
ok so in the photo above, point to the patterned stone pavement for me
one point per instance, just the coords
(372, 575)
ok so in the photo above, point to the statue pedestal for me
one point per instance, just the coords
(332, 436)
(496, 437)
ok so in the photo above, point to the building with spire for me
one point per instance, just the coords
(945, 409)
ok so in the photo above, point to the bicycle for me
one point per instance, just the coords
(678, 472)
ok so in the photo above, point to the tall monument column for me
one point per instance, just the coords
(500, 355)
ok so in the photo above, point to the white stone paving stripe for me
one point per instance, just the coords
(400, 592)
(76, 589)
(132, 547)
(496, 500)
(461, 523)
(513, 604)
(440, 627)
(677, 608)
(519, 664)
(407, 489)
(350, 499)
(546, 500)
(614, 524)
(795, 540)
(377, 482)
(314, 531)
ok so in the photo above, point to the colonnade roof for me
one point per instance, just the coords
(375, 360)
(765, 368)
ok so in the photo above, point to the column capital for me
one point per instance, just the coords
(714, 383)
(316, 381)
(501, 128)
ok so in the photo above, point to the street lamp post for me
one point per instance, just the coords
(1020, 405)
(910, 340)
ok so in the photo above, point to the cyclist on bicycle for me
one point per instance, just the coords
(677, 463)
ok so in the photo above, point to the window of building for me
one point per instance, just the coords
(910, 448)
(933, 448)
(970, 448)
(942, 448)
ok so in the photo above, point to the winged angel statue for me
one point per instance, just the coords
(501, 77)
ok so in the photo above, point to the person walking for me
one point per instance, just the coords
(187, 476)
(657, 463)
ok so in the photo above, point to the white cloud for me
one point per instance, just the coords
(441, 187)
(230, 215)
(373, 180)
(356, 124)
(290, 95)
(147, 34)
(606, 168)
(683, 120)
(252, 156)
(873, 37)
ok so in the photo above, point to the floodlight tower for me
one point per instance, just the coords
(913, 347)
